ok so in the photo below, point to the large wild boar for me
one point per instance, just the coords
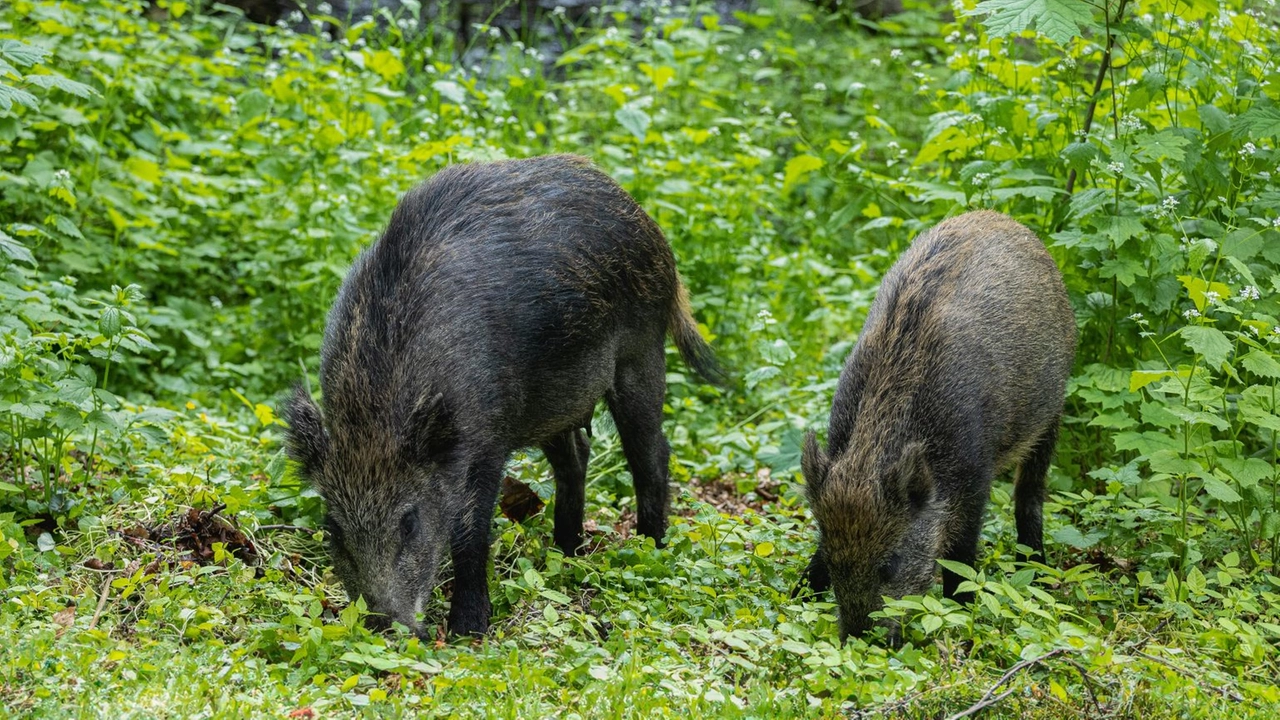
(501, 303)
(959, 374)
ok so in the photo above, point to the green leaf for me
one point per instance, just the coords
(252, 104)
(1139, 379)
(1164, 145)
(1258, 122)
(634, 120)
(1058, 20)
(1196, 582)
(930, 623)
(22, 54)
(798, 168)
(15, 250)
(1069, 535)
(109, 322)
(58, 82)
(1260, 362)
(1208, 342)
(959, 568)
(1220, 490)
(10, 95)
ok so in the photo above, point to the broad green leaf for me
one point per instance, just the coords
(1208, 342)
(252, 104)
(1139, 379)
(798, 168)
(1260, 362)
(143, 169)
(58, 82)
(22, 54)
(15, 250)
(1069, 535)
(959, 568)
(11, 95)
(1058, 20)
(1220, 490)
(635, 120)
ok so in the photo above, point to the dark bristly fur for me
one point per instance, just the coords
(959, 374)
(502, 302)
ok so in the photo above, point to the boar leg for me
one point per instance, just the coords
(816, 578)
(567, 454)
(635, 402)
(963, 530)
(469, 608)
(1029, 492)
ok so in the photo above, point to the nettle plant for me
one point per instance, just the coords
(1140, 139)
(58, 344)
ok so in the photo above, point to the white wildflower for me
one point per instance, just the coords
(895, 53)
(62, 176)
(754, 54)
(1249, 292)
(820, 87)
(1248, 150)
(1191, 313)
(1116, 167)
(324, 8)
(857, 87)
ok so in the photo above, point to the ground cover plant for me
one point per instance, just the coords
(182, 190)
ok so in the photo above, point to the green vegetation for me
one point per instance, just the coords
(180, 195)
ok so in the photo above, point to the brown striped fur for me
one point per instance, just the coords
(958, 375)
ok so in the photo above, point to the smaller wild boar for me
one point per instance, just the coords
(500, 304)
(959, 374)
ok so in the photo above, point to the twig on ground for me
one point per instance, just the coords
(1088, 684)
(102, 602)
(990, 698)
(287, 528)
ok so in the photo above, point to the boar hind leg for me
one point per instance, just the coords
(1029, 492)
(469, 607)
(636, 405)
(567, 454)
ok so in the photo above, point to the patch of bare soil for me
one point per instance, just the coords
(724, 494)
(191, 536)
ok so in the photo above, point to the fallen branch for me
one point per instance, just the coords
(990, 698)
(102, 603)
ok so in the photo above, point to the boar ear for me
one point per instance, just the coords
(815, 463)
(430, 435)
(307, 441)
(914, 475)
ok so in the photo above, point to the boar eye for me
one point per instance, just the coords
(889, 568)
(409, 524)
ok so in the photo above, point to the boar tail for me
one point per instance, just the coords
(696, 352)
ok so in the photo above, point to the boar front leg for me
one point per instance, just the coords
(469, 607)
(635, 402)
(567, 454)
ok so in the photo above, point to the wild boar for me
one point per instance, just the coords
(500, 304)
(959, 374)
